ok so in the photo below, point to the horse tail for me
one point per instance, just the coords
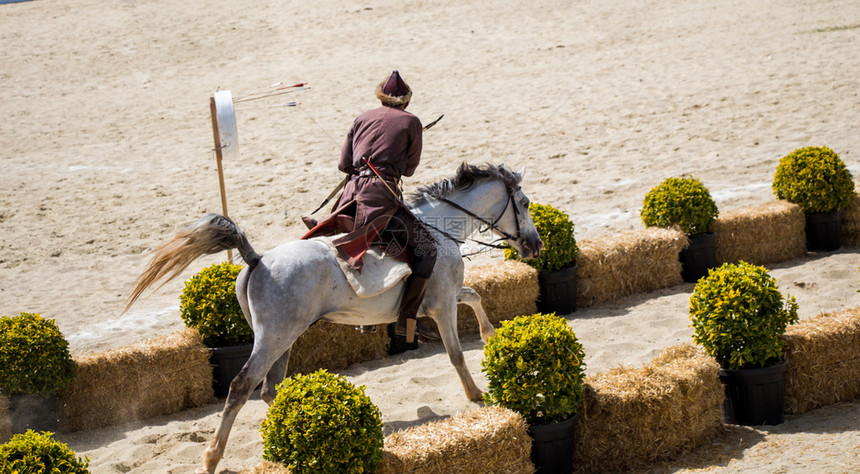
(210, 234)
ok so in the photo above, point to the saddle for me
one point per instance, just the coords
(376, 272)
(379, 271)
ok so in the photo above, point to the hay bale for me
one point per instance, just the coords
(823, 360)
(333, 347)
(5, 420)
(633, 417)
(629, 263)
(160, 376)
(266, 467)
(850, 235)
(508, 289)
(767, 233)
(490, 439)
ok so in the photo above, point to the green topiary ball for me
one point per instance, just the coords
(535, 366)
(209, 304)
(321, 423)
(33, 452)
(815, 179)
(684, 202)
(739, 316)
(559, 245)
(34, 356)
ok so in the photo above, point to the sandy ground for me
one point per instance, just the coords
(107, 149)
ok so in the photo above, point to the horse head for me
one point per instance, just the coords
(492, 197)
(526, 240)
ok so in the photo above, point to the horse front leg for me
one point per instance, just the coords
(471, 298)
(447, 322)
(240, 389)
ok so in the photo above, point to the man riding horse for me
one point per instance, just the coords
(383, 145)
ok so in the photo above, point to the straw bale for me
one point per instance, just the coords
(823, 360)
(266, 467)
(850, 236)
(629, 263)
(159, 376)
(766, 233)
(5, 420)
(633, 417)
(489, 439)
(333, 347)
(508, 289)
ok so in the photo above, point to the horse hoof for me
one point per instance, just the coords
(207, 468)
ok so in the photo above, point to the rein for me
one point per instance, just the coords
(490, 225)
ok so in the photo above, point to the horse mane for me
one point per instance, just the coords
(466, 176)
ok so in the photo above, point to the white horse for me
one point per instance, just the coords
(294, 285)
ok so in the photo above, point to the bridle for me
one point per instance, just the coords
(490, 225)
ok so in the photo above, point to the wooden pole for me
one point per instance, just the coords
(218, 159)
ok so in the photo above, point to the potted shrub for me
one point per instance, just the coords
(816, 179)
(535, 366)
(209, 304)
(556, 264)
(322, 423)
(35, 364)
(686, 203)
(739, 317)
(40, 452)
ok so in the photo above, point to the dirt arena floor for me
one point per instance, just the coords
(107, 150)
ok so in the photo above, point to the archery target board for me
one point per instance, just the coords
(225, 118)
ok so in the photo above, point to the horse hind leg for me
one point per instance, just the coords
(472, 299)
(242, 294)
(279, 369)
(275, 376)
(241, 387)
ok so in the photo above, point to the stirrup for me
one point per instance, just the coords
(369, 329)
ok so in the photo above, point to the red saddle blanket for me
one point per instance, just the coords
(352, 246)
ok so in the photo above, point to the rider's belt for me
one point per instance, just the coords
(371, 174)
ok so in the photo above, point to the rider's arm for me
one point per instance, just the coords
(345, 164)
(413, 152)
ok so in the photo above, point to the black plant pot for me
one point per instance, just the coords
(557, 291)
(226, 364)
(552, 446)
(823, 231)
(754, 396)
(33, 412)
(699, 256)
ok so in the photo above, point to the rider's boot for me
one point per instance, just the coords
(413, 295)
(310, 222)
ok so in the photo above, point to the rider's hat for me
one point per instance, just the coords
(394, 91)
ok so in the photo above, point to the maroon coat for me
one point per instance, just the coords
(390, 139)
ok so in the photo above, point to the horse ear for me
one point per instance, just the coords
(521, 172)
